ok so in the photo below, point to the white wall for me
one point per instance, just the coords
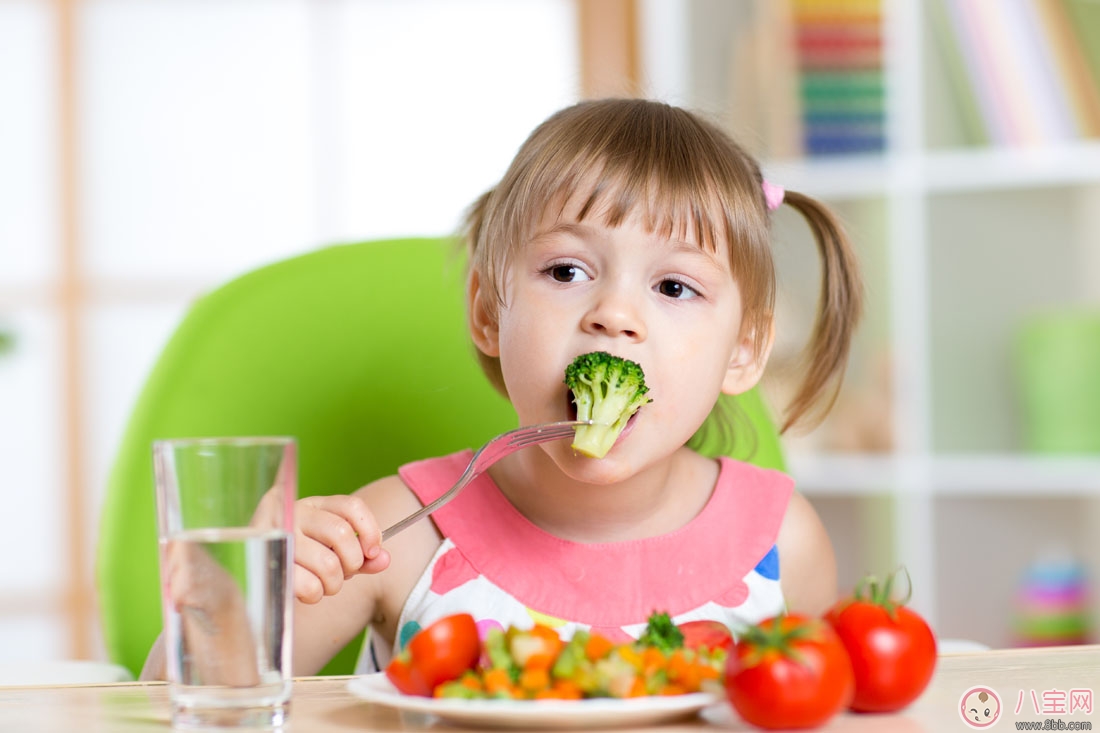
(214, 137)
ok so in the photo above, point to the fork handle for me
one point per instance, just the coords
(427, 508)
(485, 456)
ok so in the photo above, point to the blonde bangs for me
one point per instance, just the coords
(684, 177)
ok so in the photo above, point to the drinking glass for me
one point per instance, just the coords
(225, 516)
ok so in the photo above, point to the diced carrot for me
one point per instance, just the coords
(534, 680)
(497, 681)
(684, 673)
(677, 665)
(638, 688)
(707, 672)
(568, 689)
(597, 647)
(560, 690)
(653, 659)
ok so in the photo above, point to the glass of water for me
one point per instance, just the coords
(225, 517)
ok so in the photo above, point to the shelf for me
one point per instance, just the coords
(993, 474)
(1018, 475)
(1004, 168)
(842, 475)
(942, 171)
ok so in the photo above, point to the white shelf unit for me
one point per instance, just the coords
(959, 243)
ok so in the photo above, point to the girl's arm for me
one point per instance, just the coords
(337, 600)
(322, 629)
(806, 560)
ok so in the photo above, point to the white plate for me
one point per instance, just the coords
(560, 714)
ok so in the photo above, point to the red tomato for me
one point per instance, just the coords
(893, 650)
(789, 672)
(706, 634)
(436, 654)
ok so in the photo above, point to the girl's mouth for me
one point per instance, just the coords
(629, 424)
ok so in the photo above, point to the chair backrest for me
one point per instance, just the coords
(359, 351)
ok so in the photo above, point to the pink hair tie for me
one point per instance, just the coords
(773, 195)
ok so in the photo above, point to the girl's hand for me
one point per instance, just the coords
(214, 623)
(335, 538)
(197, 583)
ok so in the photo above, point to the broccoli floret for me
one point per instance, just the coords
(661, 632)
(606, 390)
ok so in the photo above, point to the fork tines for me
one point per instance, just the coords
(541, 435)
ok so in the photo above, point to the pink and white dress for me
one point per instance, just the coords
(503, 570)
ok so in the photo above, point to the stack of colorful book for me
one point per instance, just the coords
(1024, 72)
(841, 81)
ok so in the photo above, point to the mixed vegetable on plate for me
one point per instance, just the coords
(446, 660)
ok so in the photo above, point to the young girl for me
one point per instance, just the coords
(637, 228)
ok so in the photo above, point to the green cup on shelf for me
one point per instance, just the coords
(1058, 366)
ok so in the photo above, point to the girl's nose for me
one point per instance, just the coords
(615, 315)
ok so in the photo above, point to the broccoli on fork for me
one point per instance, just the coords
(606, 390)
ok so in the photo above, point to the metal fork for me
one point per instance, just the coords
(500, 446)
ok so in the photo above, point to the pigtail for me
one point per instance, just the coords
(826, 355)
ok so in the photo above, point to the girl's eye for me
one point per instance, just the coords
(567, 273)
(675, 289)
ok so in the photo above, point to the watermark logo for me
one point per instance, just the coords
(1059, 702)
(980, 707)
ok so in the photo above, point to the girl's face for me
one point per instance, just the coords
(667, 304)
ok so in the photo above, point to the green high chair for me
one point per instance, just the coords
(358, 350)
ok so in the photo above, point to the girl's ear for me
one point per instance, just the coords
(747, 364)
(481, 317)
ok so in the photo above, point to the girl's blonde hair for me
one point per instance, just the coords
(682, 174)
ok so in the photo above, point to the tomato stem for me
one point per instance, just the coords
(880, 594)
(778, 639)
(908, 585)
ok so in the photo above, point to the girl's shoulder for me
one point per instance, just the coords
(809, 562)
(430, 477)
(392, 498)
(389, 498)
